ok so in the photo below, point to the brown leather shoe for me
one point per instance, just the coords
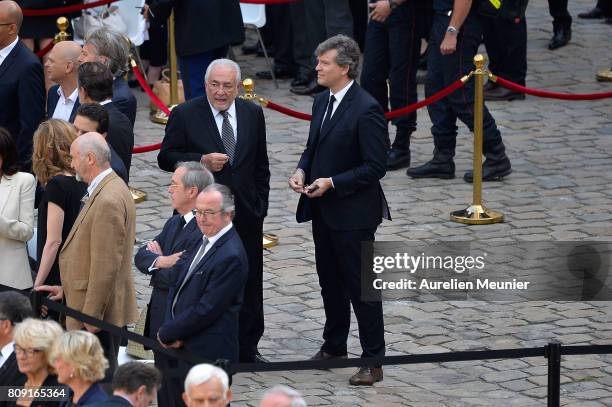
(367, 376)
(322, 355)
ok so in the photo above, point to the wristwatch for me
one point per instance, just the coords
(451, 30)
(392, 4)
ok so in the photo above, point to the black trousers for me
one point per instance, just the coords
(278, 32)
(392, 50)
(110, 345)
(251, 319)
(506, 43)
(338, 258)
(560, 14)
(442, 70)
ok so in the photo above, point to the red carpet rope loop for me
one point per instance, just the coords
(547, 94)
(45, 50)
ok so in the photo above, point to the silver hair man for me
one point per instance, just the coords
(112, 47)
(206, 385)
(226, 63)
(196, 175)
(282, 396)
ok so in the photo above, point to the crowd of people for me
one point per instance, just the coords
(67, 152)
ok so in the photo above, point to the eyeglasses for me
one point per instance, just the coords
(173, 185)
(215, 86)
(206, 213)
(27, 352)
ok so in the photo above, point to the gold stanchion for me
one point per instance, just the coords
(605, 75)
(62, 25)
(477, 214)
(159, 116)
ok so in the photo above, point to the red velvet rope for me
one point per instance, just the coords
(45, 50)
(289, 112)
(64, 10)
(155, 99)
(146, 149)
(553, 95)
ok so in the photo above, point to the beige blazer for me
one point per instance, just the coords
(16, 228)
(96, 260)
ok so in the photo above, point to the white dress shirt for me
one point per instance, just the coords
(97, 180)
(6, 351)
(339, 96)
(7, 50)
(212, 240)
(231, 117)
(64, 106)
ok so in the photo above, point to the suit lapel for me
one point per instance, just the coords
(74, 109)
(206, 257)
(184, 234)
(7, 182)
(317, 120)
(242, 132)
(345, 103)
(10, 58)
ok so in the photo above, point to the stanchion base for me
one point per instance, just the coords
(476, 215)
(604, 75)
(137, 195)
(269, 240)
(159, 117)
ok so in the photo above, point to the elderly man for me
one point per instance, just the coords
(207, 385)
(14, 308)
(159, 256)
(282, 396)
(96, 260)
(337, 178)
(228, 135)
(61, 67)
(22, 89)
(134, 385)
(112, 49)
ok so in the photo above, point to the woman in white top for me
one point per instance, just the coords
(16, 216)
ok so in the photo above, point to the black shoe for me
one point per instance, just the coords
(322, 355)
(280, 73)
(499, 94)
(300, 81)
(560, 38)
(594, 13)
(433, 169)
(491, 171)
(312, 89)
(397, 158)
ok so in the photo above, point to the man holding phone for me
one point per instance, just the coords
(338, 179)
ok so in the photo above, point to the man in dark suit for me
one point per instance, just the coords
(96, 86)
(204, 31)
(61, 67)
(159, 256)
(112, 49)
(93, 117)
(14, 308)
(228, 135)
(338, 179)
(204, 303)
(22, 93)
(134, 385)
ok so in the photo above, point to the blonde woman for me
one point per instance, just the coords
(79, 363)
(33, 340)
(60, 203)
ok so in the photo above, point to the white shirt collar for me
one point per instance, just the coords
(6, 351)
(105, 102)
(213, 239)
(231, 110)
(4, 52)
(73, 96)
(97, 180)
(188, 216)
(341, 93)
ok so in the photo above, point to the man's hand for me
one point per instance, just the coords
(449, 44)
(318, 188)
(145, 12)
(154, 247)
(164, 262)
(55, 292)
(214, 161)
(296, 182)
(91, 328)
(176, 344)
(380, 10)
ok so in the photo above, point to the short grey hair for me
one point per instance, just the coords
(204, 372)
(112, 45)
(96, 144)
(291, 394)
(348, 52)
(224, 62)
(195, 175)
(227, 199)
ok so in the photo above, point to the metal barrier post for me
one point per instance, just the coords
(553, 354)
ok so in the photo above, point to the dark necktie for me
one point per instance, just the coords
(330, 109)
(227, 135)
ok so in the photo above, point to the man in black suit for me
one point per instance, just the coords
(14, 308)
(112, 49)
(22, 93)
(204, 31)
(134, 385)
(338, 179)
(204, 303)
(159, 256)
(93, 117)
(228, 135)
(61, 67)
(96, 86)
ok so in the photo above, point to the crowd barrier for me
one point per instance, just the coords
(64, 10)
(553, 351)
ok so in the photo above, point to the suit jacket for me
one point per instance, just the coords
(10, 374)
(162, 279)
(124, 99)
(191, 132)
(16, 228)
(50, 381)
(207, 308)
(53, 98)
(120, 134)
(22, 99)
(351, 150)
(96, 260)
(118, 166)
(113, 401)
(202, 25)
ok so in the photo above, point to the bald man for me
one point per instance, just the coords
(22, 90)
(62, 67)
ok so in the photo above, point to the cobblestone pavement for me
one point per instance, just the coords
(559, 190)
